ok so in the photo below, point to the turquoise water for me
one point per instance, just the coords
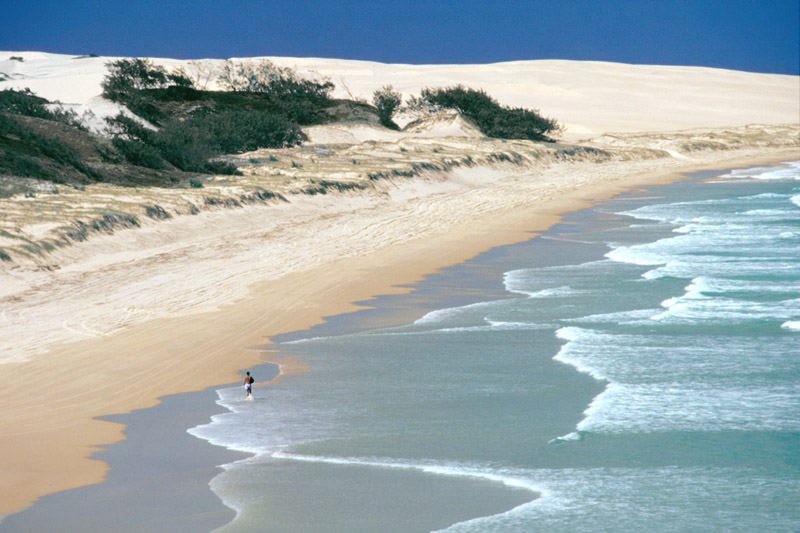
(635, 367)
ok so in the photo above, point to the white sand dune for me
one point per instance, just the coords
(190, 295)
(588, 98)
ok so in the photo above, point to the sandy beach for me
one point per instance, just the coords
(112, 324)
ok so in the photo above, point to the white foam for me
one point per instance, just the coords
(622, 499)
(443, 469)
(557, 292)
(793, 325)
(662, 382)
(635, 255)
(443, 315)
(492, 325)
(625, 408)
(500, 325)
(574, 436)
(637, 316)
(785, 171)
(695, 308)
(554, 282)
(704, 240)
(514, 282)
(568, 354)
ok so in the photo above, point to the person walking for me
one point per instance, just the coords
(248, 385)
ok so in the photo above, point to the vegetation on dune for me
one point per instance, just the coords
(26, 152)
(493, 119)
(178, 128)
(278, 82)
(24, 102)
(263, 108)
(126, 76)
(387, 101)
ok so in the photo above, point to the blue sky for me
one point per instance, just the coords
(757, 36)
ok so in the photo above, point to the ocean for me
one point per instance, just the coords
(635, 367)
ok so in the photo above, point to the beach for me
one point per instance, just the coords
(47, 447)
(366, 483)
(181, 305)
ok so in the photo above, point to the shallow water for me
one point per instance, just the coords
(636, 367)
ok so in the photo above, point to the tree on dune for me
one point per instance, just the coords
(386, 100)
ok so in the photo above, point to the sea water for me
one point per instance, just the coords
(637, 367)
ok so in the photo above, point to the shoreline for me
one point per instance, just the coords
(158, 477)
(83, 383)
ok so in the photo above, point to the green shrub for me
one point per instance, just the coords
(35, 144)
(285, 92)
(20, 165)
(266, 77)
(24, 102)
(222, 167)
(132, 74)
(243, 131)
(178, 93)
(186, 145)
(493, 119)
(264, 112)
(386, 100)
(143, 106)
(124, 126)
(139, 153)
(128, 79)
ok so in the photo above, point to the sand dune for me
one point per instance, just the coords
(110, 322)
(588, 98)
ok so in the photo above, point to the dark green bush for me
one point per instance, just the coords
(30, 143)
(130, 129)
(263, 111)
(128, 79)
(178, 93)
(493, 119)
(132, 74)
(236, 131)
(24, 102)
(386, 100)
(39, 144)
(189, 144)
(142, 106)
(266, 77)
(285, 92)
(139, 153)
(221, 167)
(186, 145)
(20, 165)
